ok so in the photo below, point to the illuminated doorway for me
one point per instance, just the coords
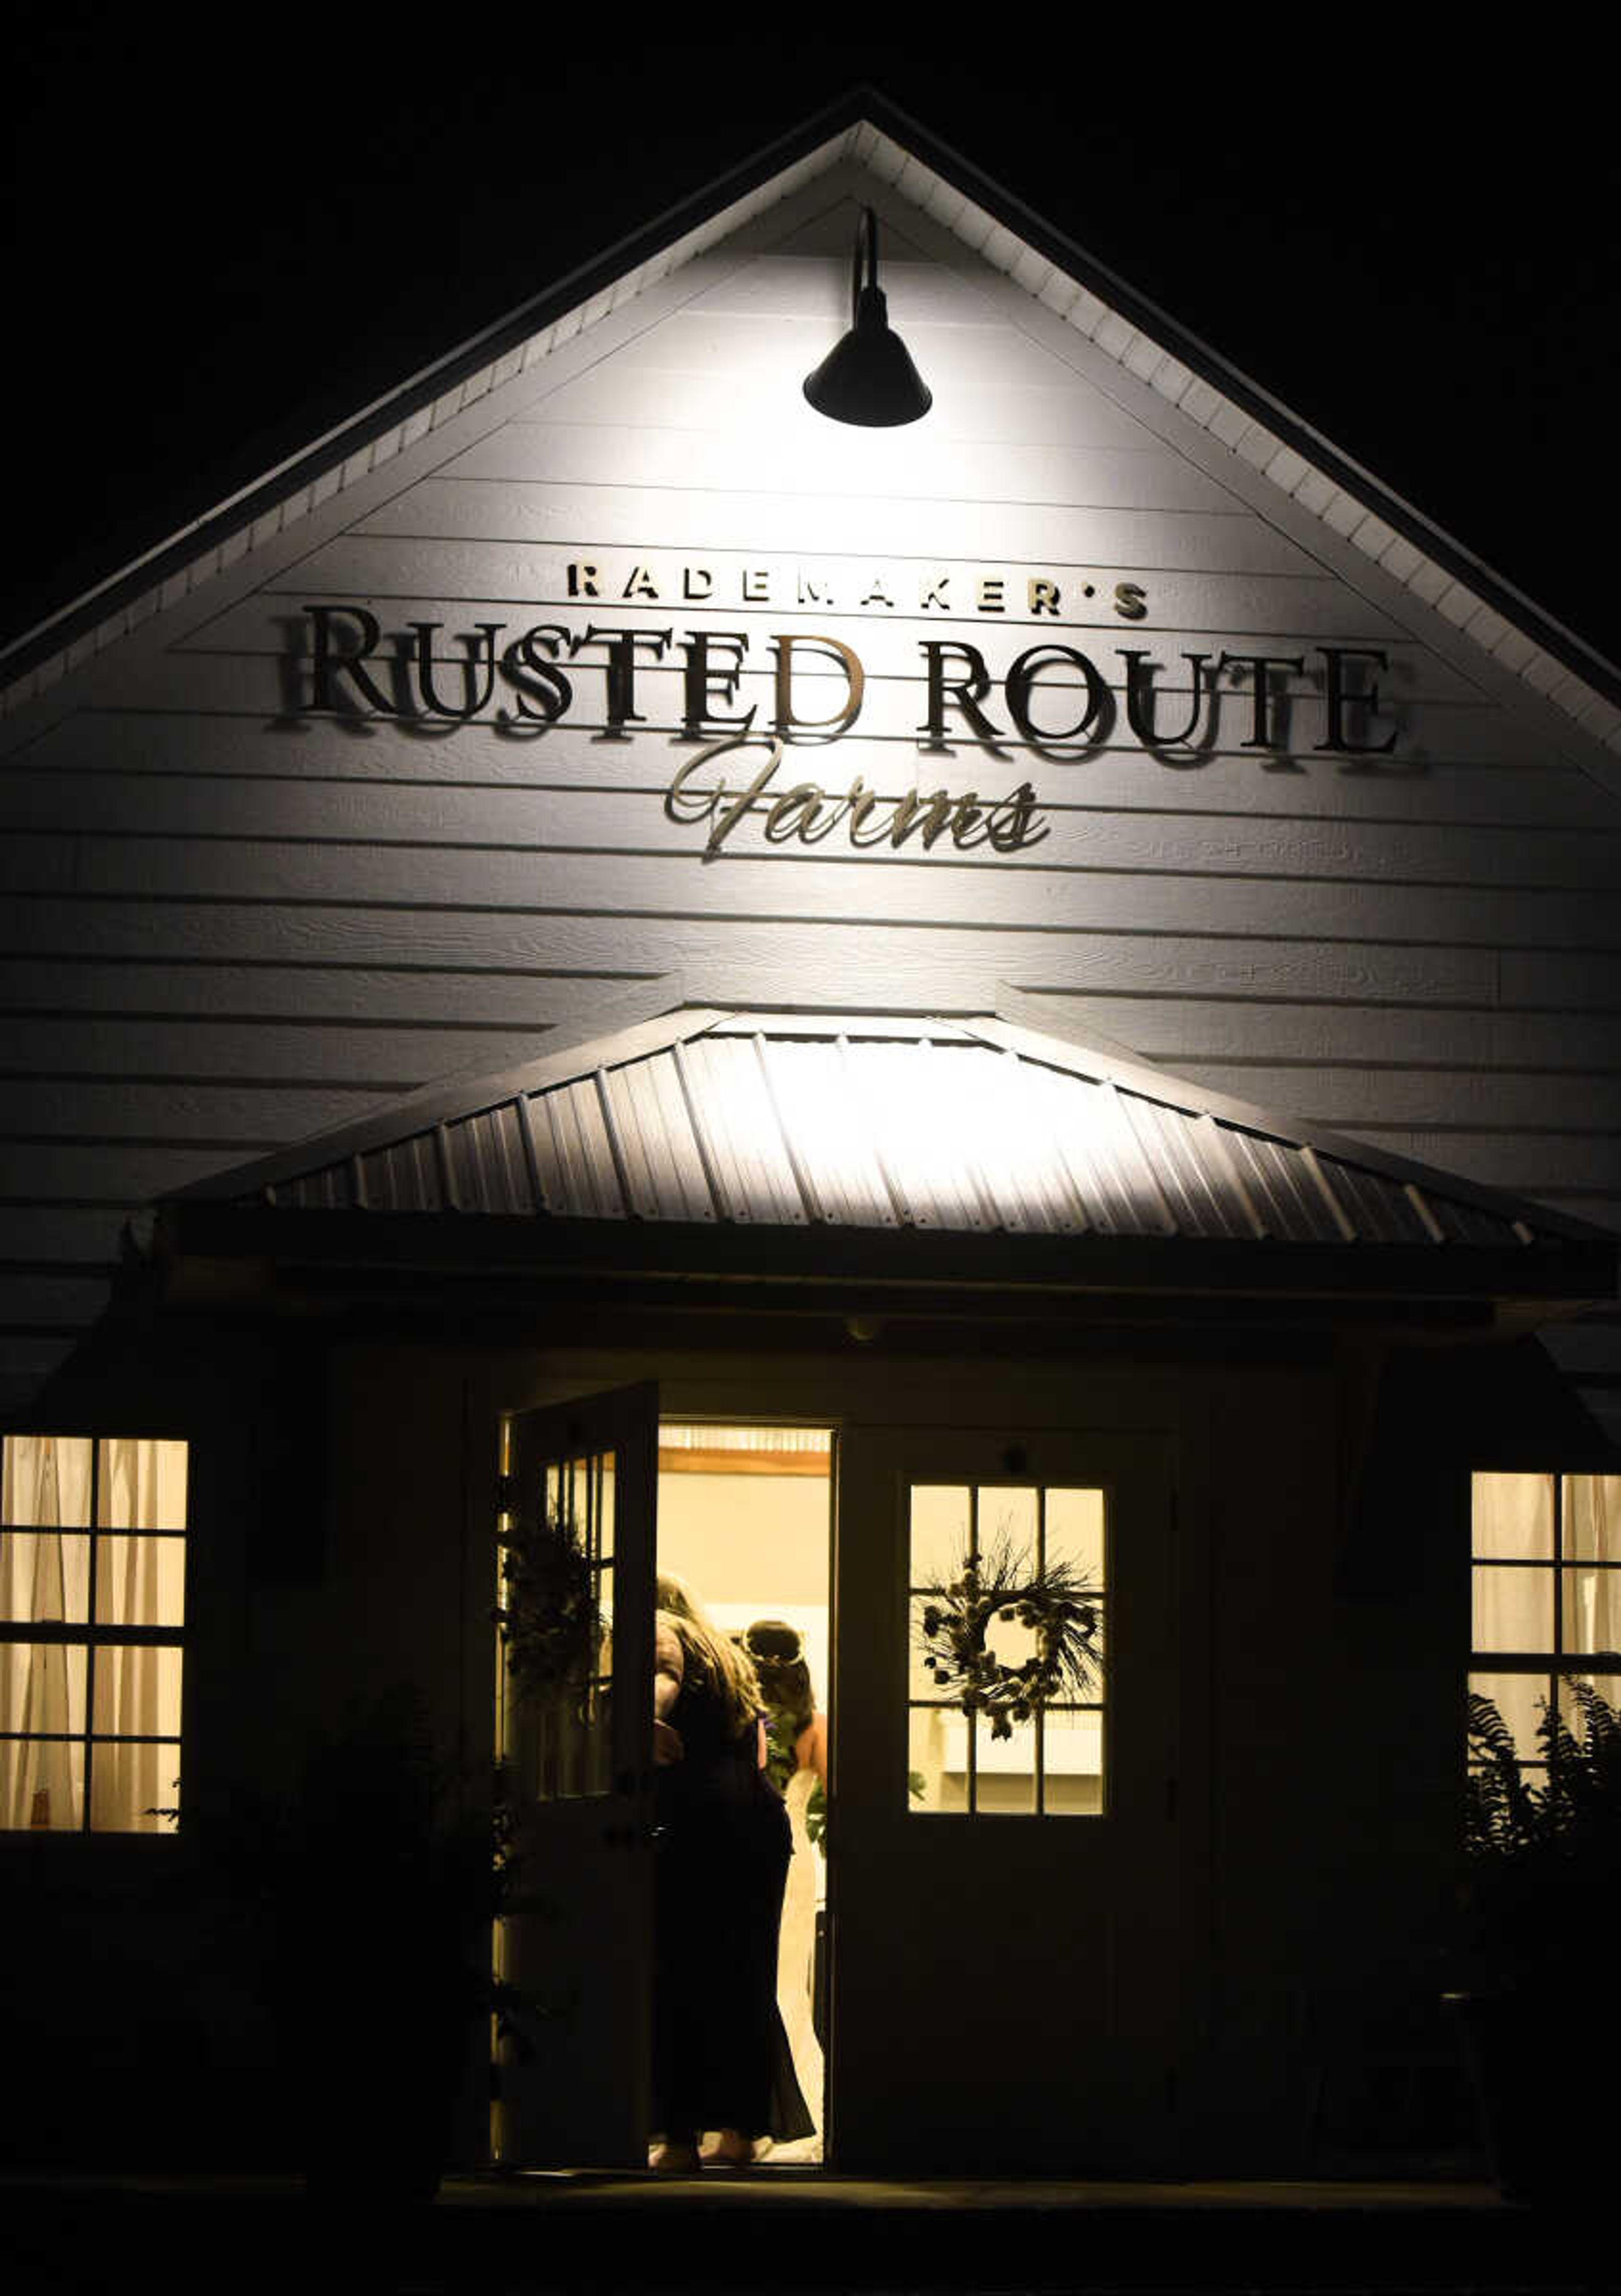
(744, 1523)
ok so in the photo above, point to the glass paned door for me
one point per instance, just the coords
(1005, 1943)
(574, 1584)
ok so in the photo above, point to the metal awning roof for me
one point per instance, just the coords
(961, 1127)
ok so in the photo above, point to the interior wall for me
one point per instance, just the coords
(752, 1546)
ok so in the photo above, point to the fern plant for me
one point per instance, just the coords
(1543, 1848)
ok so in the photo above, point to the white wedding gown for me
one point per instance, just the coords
(796, 1958)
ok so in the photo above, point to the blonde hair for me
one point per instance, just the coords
(729, 1670)
(677, 1597)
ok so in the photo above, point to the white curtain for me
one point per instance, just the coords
(1592, 1539)
(1513, 1517)
(47, 1489)
(45, 1578)
(1515, 1585)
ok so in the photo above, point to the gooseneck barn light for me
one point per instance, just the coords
(868, 377)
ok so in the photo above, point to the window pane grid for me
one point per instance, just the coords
(1547, 1554)
(92, 1602)
(1053, 1764)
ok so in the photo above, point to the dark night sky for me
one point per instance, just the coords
(211, 254)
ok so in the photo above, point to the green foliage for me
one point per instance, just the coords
(782, 1756)
(365, 1890)
(1543, 1848)
(548, 1612)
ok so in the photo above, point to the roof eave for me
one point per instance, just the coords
(1541, 1280)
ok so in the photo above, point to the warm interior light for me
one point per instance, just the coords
(869, 377)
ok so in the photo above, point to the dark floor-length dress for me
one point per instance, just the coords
(721, 2057)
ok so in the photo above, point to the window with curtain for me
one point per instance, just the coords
(92, 1620)
(1546, 1595)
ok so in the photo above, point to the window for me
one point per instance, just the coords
(1052, 1763)
(92, 1609)
(1546, 1595)
(554, 1595)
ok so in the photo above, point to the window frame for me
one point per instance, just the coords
(92, 1634)
(1553, 1664)
(1102, 1705)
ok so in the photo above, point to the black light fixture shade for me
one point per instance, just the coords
(868, 377)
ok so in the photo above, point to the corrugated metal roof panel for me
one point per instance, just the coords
(1284, 1196)
(880, 1121)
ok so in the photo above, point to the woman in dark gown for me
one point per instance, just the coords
(720, 2058)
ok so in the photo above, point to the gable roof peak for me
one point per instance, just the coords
(864, 127)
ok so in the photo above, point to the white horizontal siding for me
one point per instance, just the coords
(478, 1006)
(696, 398)
(1184, 1032)
(622, 455)
(267, 1053)
(660, 882)
(766, 959)
(851, 525)
(231, 925)
(115, 821)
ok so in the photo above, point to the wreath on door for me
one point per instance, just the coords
(1058, 1603)
(548, 1617)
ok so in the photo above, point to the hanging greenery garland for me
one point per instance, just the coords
(548, 1620)
(1059, 1605)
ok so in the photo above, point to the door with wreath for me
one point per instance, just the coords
(574, 1733)
(1006, 1989)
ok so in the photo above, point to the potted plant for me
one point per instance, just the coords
(360, 1905)
(1540, 2003)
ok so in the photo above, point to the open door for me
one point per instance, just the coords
(574, 1724)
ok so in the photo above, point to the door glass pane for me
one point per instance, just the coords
(936, 1761)
(1513, 1515)
(921, 1680)
(940, 1517)
(981, 1739)
(557, 1654)
(1073, 1752)
(1008, 1513)
(1513, 1607)
(1005, 1772)
(1075, 1531)
(604, 1509)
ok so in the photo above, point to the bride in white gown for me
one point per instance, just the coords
(798, 1763)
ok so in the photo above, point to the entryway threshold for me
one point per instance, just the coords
(794, 2233)
(796, 2187)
